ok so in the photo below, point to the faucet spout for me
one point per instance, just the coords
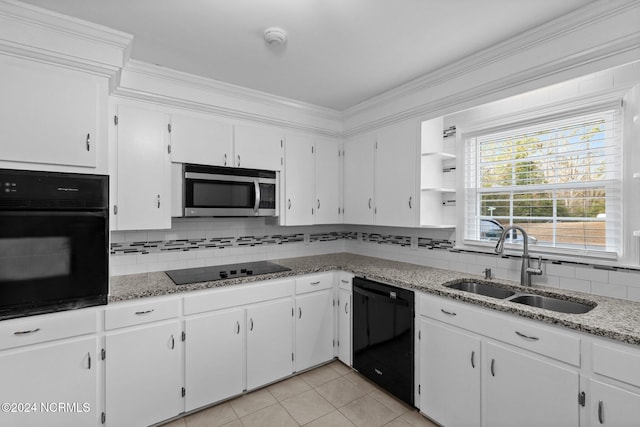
(526, 270)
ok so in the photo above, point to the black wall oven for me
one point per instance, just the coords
(54, 234)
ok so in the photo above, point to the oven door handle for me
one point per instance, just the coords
(256, 185)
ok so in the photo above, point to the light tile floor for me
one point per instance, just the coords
(332, 395)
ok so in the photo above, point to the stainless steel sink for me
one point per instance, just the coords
(553, 304)
(482, 289)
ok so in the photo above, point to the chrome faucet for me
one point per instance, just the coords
(526, 270)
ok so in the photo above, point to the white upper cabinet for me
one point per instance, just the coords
(143, 170)
(358, 180)
(312, 181)
(258, 148)
(299, 180)
(328, 201)
(201, 141)
(395, 175)
(380, 177)
(49, 114)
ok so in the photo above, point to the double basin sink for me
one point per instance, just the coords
(532, 300)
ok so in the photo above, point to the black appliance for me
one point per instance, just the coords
(54, 235)
(220, 272)
(225, 191)
(383, 336)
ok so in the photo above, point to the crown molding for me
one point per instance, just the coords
(152, 83)
(560, 27)
(33, 32)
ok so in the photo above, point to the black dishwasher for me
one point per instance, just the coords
(383, 336)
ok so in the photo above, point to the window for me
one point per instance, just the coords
(560, 180)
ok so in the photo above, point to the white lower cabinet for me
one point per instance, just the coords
(343, 318)
(314, 329)
(450, 374)
(612, 406)
(143, 374)
(50, 385)
(269, 342)
(524, 390)
(214, 357)
(471, 374)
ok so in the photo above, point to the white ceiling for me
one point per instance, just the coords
(339, 53)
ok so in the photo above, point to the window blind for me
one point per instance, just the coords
(560, 180)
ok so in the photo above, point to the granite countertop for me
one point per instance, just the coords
(612, 318)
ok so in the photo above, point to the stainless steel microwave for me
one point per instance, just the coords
(228, 192)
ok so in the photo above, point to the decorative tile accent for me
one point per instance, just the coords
(429, 243)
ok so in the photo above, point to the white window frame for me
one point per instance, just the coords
(539, 115)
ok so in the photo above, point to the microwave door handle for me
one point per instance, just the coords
(256, 184)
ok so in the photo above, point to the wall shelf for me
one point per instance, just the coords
(440, 189)
(439, 154)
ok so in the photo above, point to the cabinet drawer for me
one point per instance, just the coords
(130, 314)
(617, 362)
(233, 296)
(453, 313)
(314, 282)
(545, 340)
(47, 327)
(345, 281)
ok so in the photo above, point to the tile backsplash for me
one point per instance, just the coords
(204, 241)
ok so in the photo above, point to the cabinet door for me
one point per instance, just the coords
(143, 170)
(327, 179)
(613, 406)
(314, 329)
(201, 140)
(449, 375)
(299, 177)
(358, 180)
(258, 148)
(269, 342)
(44, 377)
(344, 326)
(49, 114)
(524, 390)
(143, 375)
(395, 175)
(214, 357)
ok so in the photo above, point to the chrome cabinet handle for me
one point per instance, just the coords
(237, 327)
(32, 331)
(601, 411)
(346, 282)
(89, 361)
(142, 313)
(256, 185)
(410, 199)
(289, 204)
(299, 313)
(369, 202)
(251, 324)
(238, 159)
(315, 283)
(493, 367)
(88, 142)
(158, 198)
(473, 359)
(318, 204)
(173, 342)
(448, 313)
(527, 337)
(225, 159)
(345, 308)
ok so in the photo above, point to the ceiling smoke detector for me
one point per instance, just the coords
(275, 36)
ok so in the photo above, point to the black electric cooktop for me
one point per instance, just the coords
(219, 272)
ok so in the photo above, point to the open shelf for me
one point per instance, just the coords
(439, 154)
